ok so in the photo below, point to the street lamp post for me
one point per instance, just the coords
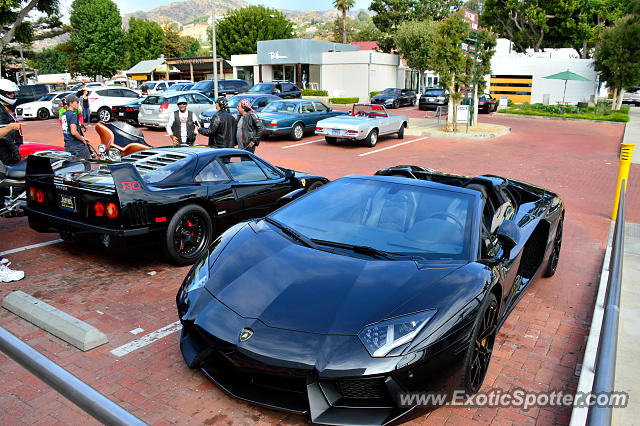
(215, 55)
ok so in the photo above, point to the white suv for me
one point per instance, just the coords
(103, 99)
(162, 85)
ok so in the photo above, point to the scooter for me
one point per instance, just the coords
(119, 139)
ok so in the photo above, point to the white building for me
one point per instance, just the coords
(520, 76)
(343, 70)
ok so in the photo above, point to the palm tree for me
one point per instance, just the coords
(344, 5)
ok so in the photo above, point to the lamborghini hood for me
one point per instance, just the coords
(264, 275)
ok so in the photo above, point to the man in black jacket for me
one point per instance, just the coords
(12, 137)
(222, 130)
(249, 127)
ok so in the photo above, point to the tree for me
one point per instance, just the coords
(344, 6)
(13, 14)
(528, 23)
(617, 57)
(239, 31)
(450, 62)
(50, 61)
(144, 40)
(357, 30)
(487, 41)
(391, 13)
(415, 40)
(584, 27)
(97, 36)
(174, 45)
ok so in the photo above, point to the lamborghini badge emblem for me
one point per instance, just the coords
(246, 334)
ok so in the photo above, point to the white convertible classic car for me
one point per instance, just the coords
(365, 122)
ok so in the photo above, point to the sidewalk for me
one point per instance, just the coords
(629, 329)
(632, 133)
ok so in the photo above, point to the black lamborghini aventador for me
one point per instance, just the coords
(176, 197)
(371, 286)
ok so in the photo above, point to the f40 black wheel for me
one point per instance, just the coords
(555, 251)
(188, 235)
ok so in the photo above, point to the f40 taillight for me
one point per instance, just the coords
(98, 209)
(111, 210)
(36, 194)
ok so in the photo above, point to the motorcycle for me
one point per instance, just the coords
(119, 139)
(13, 197)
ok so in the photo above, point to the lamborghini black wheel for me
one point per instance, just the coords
(481, 347)
(555, 251)
(188, 235)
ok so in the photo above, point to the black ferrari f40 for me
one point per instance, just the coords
(367, 289)
(179, 197)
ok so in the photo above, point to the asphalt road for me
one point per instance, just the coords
(129, 298)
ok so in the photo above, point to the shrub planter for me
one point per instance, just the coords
(323, 99)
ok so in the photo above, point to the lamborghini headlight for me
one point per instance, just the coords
(381, 338)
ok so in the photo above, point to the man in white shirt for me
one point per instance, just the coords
(183, 124)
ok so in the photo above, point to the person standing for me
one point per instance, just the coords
(249, 127)
(74, 140)
(11, 139)
(182, 124)
(222, 130)
(144, 90)
(86, 112)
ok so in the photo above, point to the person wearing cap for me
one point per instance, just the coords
(182, 124)
(249, 127)
(222, 130)
(74, 140)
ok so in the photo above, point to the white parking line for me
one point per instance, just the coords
(147, 340)
(32, 246)
(392, 146)
(303, 143)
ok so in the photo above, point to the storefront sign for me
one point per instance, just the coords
(504, 102)
(472, 18)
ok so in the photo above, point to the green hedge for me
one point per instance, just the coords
(375, 92)
(309, 92)
(344, 100)
(601, 112)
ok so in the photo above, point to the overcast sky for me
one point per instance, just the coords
(129, 6)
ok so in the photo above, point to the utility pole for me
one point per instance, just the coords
(24, 72)
(215, 54)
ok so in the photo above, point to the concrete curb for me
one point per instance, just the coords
(73, 331)
(585, 384)
(542, 117)
(417, 131)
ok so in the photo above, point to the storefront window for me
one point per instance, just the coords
(246, 74)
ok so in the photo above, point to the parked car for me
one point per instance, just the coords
(486, 103)
(283, 89)
(433, 98)
(30, 93)
(174, 198)
(632, 96)
(365, 123)
(87, 85)
(225, 87)
(158, 86)
(413, 278)
(180, 87)
(258, 102)
(128, 112)
(395, 98)
(294, 117)
(155, 109)
(42, 108)
(102, 100)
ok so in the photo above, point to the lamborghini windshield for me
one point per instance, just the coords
(425, 222)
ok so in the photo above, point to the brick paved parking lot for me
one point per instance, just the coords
(538, 348)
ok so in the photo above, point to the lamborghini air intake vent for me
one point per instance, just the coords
(362, 389)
